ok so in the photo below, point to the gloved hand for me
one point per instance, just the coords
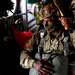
(43, 67)
(65, 22)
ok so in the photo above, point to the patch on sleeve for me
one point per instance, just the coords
(28, 43)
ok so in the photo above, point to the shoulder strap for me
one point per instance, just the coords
(41, 43)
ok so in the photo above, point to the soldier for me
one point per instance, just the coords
(48, 51)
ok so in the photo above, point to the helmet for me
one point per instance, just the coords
(48, 10)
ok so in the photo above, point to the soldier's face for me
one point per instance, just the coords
(48, 23)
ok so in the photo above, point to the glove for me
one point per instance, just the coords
(65, 22)
(43, 67)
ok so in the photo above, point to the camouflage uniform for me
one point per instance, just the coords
(53, 50)
(60, 61)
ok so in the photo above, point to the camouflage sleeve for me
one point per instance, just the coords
(71, 60)
(72, 54)
(26, 60)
